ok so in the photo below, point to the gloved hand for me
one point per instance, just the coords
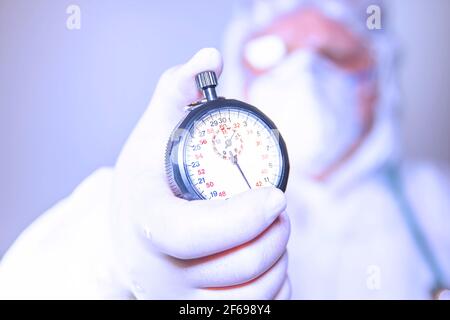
(169, 248)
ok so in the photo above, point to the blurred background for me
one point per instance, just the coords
(69, 98)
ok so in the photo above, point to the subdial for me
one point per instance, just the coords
(225, 140)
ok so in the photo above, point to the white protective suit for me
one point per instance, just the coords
(378, 228)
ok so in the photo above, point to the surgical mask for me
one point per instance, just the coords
(315, 106)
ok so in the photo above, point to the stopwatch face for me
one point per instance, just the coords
(228, 148)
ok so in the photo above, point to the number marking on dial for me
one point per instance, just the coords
(224, 156)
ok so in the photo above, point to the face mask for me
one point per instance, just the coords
(314, 104)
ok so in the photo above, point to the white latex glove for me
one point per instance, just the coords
(122, 234)
(170, 248)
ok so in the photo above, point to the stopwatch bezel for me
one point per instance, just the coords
(177, 174)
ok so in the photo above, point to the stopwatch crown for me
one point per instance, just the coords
(206, 80)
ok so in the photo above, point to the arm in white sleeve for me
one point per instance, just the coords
(65, 253)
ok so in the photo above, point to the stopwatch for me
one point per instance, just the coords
(223, 147)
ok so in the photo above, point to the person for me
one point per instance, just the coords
(356, 220)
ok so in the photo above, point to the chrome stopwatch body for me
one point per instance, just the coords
(224, 147)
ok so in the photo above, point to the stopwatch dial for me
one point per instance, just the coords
(229, 151)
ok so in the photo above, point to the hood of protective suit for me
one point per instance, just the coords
(381, 145)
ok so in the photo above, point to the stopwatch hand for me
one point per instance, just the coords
(235, 162)
(228, 141)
